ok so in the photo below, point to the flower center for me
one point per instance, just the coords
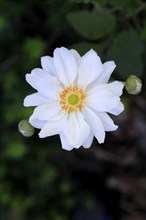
(72, 98)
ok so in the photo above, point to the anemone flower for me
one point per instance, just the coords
(74, 97)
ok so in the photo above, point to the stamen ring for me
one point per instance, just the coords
(72, 98)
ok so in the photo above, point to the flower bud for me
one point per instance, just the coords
(25, 128)
(133, 85)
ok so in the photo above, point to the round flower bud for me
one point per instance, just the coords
(25, 128)
(133, 85)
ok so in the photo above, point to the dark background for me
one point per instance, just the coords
(39, 180)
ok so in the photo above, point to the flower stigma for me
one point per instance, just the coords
(72, 98)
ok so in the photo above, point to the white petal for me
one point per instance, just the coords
(48, 64)
(107, 122)
(66, 66)
(116, 87)
(108, 68)
(44, 83)
(36, 123)
(89, 68)
(95, 124)
(103, 101)
(88, 141)
(52, 128)
(76, 55)
(76, 130)
(64, 142)
(34, 99)
(117, 109)
(48, 112)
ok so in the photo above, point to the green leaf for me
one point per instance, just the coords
(92, 25)
(126, 50)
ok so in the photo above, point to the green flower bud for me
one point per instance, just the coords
(133, 85)
(25, 128)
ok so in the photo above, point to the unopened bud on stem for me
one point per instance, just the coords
(133, 85)
(25, 128)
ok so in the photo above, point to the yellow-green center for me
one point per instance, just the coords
(73, 99)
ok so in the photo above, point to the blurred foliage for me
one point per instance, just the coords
(92, 25)
(125, 44)
(38, 180)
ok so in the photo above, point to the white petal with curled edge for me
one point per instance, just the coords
(103, 101)
(76, 130)
(108, 68)
(95, 124)
(66, 145)
(89, 68)
(88, 141)
(64, 142)
(117, 109)
(48, 64)
(36, 123)
(116, 87)
(34, 99)
(76, 55)
(107, 122)
(52, 128)
(66, 66)
(48, 112)
(44, 83)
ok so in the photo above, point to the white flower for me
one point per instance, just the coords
(74, 97)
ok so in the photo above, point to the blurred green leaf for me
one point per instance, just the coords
(25, 113)
(48, 175)
(57, 216)
(92, 25)
(126, 50)
(34, 47)
(88, 200)
(70, 203)
(65, 187)
(15, 149)
(2, 22)
(5, 196)
(143, 31)
(2, 171)
(10, 80)
(20, 203)
(10, 114)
